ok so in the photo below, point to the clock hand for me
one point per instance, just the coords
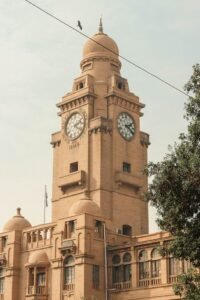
(75, 125)
(129, 128)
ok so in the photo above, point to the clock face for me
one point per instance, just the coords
(74, 125)
(126, 126)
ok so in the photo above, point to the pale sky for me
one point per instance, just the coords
(39, 58)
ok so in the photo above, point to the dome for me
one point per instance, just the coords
(18, 222)
(38, 258)
(93, 46)
(85, 206)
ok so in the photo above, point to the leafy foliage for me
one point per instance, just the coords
(175, 189)
(188, 286)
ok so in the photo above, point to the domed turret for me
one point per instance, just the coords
(18, 222)
(98, 47)
(85, 206)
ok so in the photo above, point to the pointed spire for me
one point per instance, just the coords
(100, 26)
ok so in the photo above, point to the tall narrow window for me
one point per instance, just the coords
(174, 266)
(2, 280)
(31, 277)
(127, 267)
(95, 276)
(98, 229)
(3, 243)
(69, 273)
(155, 263)
(70, 228)
(116, 269)
(143, 265)
(40, 281)
(73, 167)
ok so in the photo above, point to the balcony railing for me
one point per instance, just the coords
(172, 279)
(39, 236)
(149, 281)
(38, 290)
(121, 285)
(68, 287)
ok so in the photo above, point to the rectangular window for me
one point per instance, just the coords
(95, 276)
(70, 228)
(41, 277)
(73, 167)
(126, 167)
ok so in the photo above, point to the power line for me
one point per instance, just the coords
(122, 57)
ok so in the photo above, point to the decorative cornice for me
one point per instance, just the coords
(77, 101)
(125, 103)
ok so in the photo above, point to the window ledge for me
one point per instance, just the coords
(128, 179)
(76, 178)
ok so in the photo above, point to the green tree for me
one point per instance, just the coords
(188, 286)
(175, 188)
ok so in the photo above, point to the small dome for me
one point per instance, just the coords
(93, 46)
(38, 258)
(17, 222)
(85, 206)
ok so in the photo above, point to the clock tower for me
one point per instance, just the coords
(100, 152)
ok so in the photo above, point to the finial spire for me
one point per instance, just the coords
(100, 26)
(18, 211)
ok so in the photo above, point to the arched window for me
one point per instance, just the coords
(127, 267)
(143, 265)
(127, 230)
(69, 273)
(116, 269)
(2, 280)
(155, 263)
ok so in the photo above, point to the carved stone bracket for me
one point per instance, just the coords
(98, 129)
(68, 247)
(144, 139)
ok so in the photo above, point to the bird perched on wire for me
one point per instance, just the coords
(79, 25)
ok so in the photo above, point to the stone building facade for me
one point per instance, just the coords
(97, 246)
